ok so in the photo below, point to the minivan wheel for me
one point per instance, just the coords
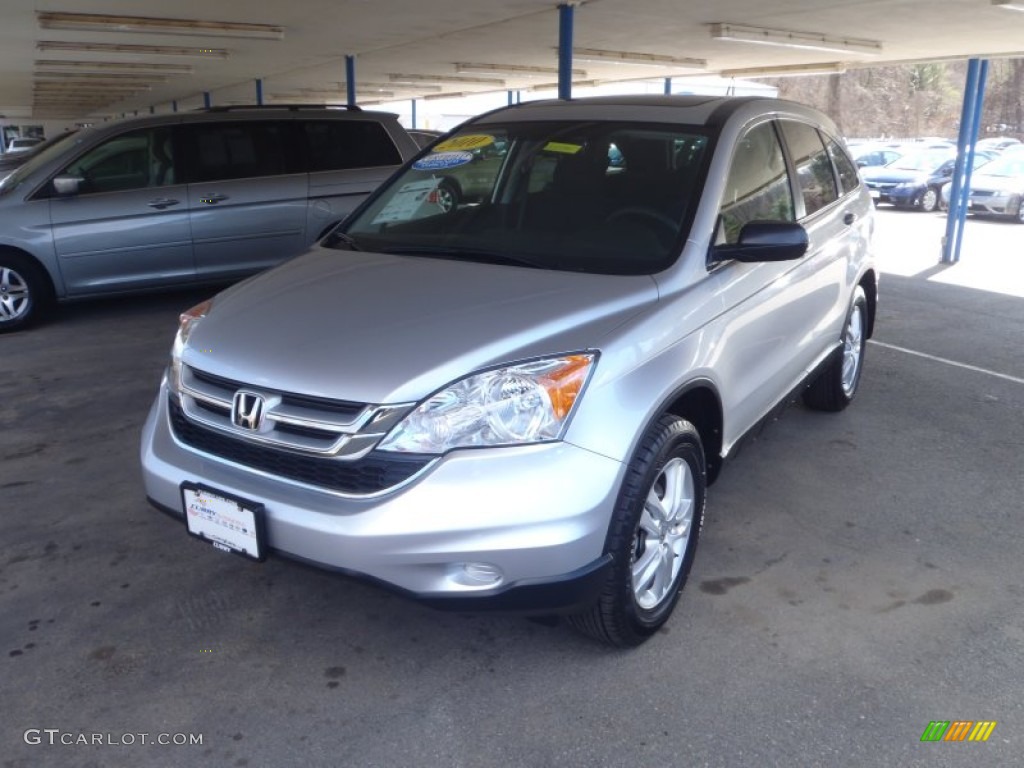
(930, 200)
(652, 537)
(25, 292)
(836, 386)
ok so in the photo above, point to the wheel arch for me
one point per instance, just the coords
(700, 404)
(869, 282)
(21, 253)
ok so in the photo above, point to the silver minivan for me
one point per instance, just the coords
(182, 199)
(517, 399)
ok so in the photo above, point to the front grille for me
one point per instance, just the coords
(373, 473)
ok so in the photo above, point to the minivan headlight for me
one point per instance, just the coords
(528, 402)
(187, 322)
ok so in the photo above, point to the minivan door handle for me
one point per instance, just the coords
(849, 218)
(162, 202)
(213, 199)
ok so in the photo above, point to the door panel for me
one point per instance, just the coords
(128, 227)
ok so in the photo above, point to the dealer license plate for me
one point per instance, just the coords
(229, 523)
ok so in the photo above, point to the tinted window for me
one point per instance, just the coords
(847, 171)
(758, 186)
(813, 168)
(236, 150)
(337, 144)
(133, 160)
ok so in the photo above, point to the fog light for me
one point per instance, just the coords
(476, 574)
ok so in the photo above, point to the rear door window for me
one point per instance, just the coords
(815, 177)
(238, 150)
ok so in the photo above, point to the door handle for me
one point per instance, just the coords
(162, 202)
(849, 218)
(213, 199)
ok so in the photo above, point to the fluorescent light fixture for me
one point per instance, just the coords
(523, 70)
(554, 86)
(601, 56)
(387, 86)
(92, 78)
(790, 70)
(98, 22)
(132, 50)
(1008, 5)
(58, 65)
(454, 95)
(416, 79)
(810, 41)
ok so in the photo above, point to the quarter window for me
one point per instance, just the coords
(845, 168)
(335, 145)
(814, 173)
(758, 186)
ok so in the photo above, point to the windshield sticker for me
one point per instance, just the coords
(440, 160)
(471, 141)
(407, 201)
(565, 149)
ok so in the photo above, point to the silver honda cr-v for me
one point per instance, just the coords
(516, 398)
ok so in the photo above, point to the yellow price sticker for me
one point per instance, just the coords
(565, 149)
(463, 143)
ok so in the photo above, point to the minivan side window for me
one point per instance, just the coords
(814, 173)
(236, 150)
(132, 160)
(758, 187)
(334, 145)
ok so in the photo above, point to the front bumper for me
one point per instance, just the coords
(901, 196)
(996, 203)
(535, 516)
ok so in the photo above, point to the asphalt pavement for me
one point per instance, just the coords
(860, 576)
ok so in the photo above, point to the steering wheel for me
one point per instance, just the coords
(665, 225)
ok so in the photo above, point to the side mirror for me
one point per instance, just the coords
(66, 185)
(765, 241)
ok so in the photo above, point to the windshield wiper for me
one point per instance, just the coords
(465, 254)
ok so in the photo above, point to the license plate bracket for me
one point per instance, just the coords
(228, 522)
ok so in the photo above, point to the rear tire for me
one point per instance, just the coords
(930, 200)
(25, 291)
(836, 386)
(652, 537)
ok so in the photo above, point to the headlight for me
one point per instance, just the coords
(187, 321)
(529, 402)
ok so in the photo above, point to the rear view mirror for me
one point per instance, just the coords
(765, 241)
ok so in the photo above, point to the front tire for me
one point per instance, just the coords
(652, 537)
(836, 386)
(930, 200)
(25, 291)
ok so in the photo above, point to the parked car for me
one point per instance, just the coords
(871, 155)
(905, 182)
(12, 160)
(182, 199)
(931, 198)
(997, 188)
(519, 403)
(23, 143)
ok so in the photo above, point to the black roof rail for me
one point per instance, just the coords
(285, 107)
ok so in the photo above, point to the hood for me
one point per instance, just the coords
(893, 175)
(376, 328)
(989, 182)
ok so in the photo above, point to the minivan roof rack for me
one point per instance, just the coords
(288, 107)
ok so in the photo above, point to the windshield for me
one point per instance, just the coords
(40, 157)
(609, 198)
(1004, 166)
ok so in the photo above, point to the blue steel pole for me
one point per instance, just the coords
(668, 86)
(350, 79)
(565, 18)
(510, 98)
(259, 92)
(954, 219)
(965, 195)
(206, 99)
